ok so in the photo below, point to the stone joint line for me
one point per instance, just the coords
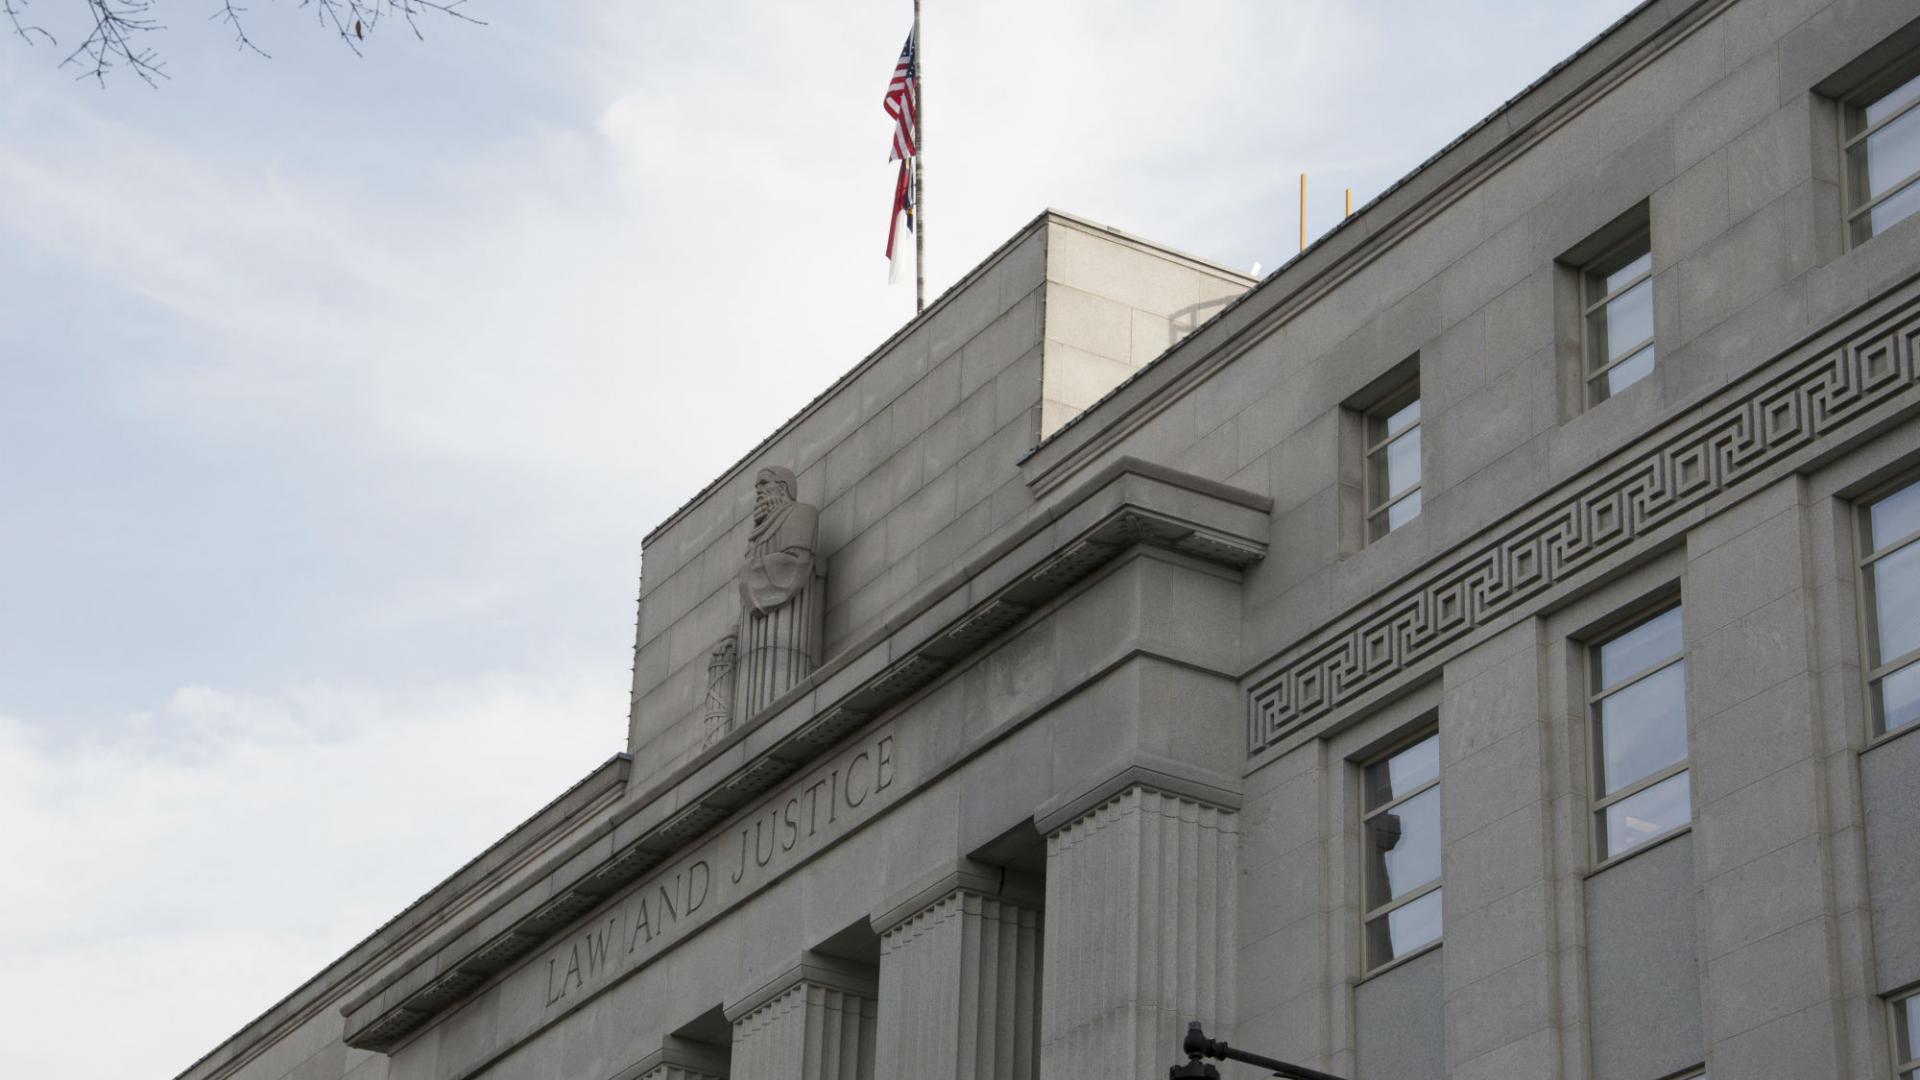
(969, 634)
(1806, 402)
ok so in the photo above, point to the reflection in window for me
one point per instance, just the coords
(1393, 463)
(1639, 709)
(1401, 833)
(1906, 1036)
(1616, 310)
(1890, 581)
(1882, 153)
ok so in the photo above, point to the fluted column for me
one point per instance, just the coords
(960, 989)
(1139, 933)
(814, 1023)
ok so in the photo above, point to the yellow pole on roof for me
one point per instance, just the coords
(1303, 211)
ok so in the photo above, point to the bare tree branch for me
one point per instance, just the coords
(115, 38)
(230, 13)
(14, 9)
(116, 25)
(353, 20)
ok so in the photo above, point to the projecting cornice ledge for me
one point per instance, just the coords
(1127, 504)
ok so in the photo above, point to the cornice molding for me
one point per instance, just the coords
(1129, 504)
(1368, 236)
(1825, 390)
(426, 919)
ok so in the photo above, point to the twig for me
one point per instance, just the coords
(13, 9)
(230, 13)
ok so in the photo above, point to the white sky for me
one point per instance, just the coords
(336, 395)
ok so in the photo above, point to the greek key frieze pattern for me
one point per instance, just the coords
(1808, 401)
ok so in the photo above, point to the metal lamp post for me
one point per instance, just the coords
(1198, 1046)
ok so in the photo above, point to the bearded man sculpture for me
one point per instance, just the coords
(781, 595)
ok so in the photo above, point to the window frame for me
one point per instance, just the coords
(1895, 74)
(1368, 969)
(1910, 1066)
(1379, 503)
(1641, 238)
(1863, 600)
(1598, 801)
(1873, 668)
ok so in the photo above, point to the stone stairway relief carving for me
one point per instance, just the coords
(777, 641)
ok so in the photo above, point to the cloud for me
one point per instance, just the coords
(223, 847)
(375, 372)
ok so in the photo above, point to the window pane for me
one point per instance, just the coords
(1403, 848)
(1629, 320)
(1403, 511)
(1628, 272)
(1891, 102)
(1406, 414)
(1404, 929)
(1630, 371)
(1895, 581)
(1893, 154)
(1388, 780)
(1640, 648)
(1893, 517)
(1896, 209)
(1900, 698)
(1633, 821)
(1402, 463)
(1906, 1030)
(1643, 728)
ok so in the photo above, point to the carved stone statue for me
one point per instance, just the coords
(720, 668)
(781, 594)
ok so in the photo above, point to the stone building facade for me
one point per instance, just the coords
(1476, 650)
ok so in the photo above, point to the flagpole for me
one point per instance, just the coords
(919, 172)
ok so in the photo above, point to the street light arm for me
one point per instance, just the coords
(1197, 1046)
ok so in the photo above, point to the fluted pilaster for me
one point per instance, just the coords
(960, 991)
(1139, 933)
(809, 1026)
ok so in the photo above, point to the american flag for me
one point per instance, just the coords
(903, 104)
(903, 101)
(902, 215)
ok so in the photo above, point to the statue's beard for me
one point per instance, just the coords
(761, 508)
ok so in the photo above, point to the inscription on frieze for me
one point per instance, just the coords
(780, 832)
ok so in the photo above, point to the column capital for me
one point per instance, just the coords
(963, 875)
(813, 969)
(679, 1059)
(1177, 779)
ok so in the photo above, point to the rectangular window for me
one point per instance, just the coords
(1890, 601)
(1400, 829)
(1616, 317)
(1880, 157)
(1393, 462)
(1906, 1036)
(1638, 705)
